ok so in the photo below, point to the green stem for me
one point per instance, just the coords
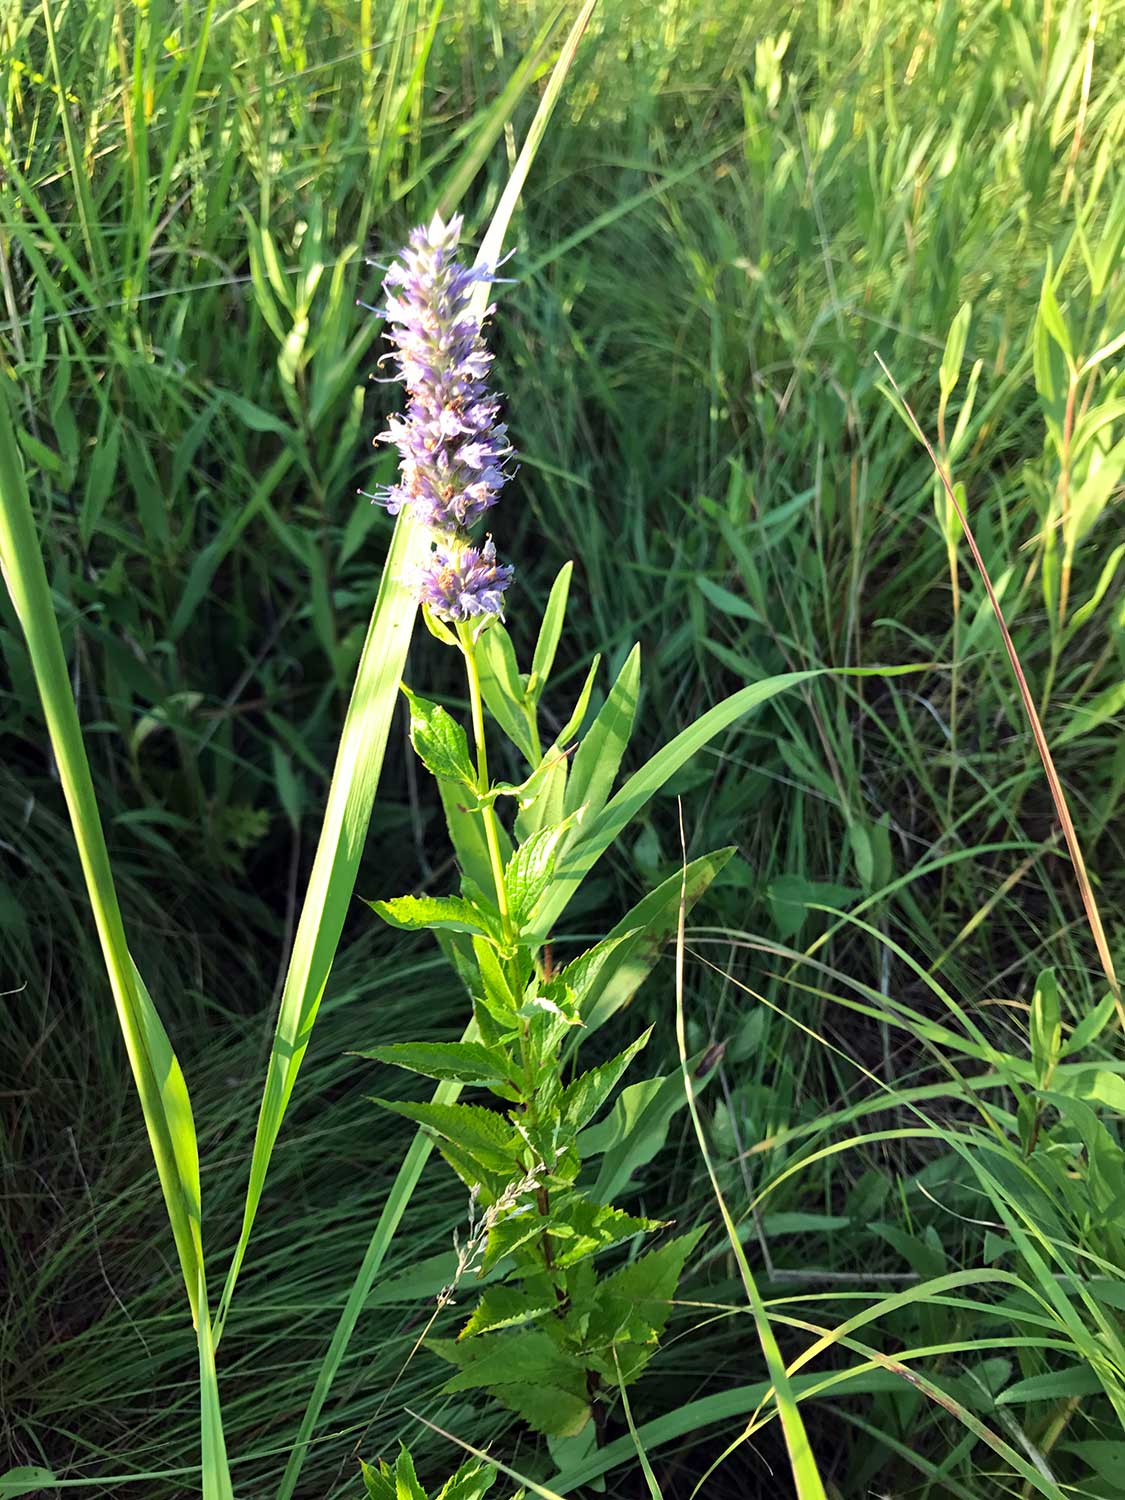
(488, 813)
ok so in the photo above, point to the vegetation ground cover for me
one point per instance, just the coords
(734, 209)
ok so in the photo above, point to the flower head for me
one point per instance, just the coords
(453, 448)
(460, 582)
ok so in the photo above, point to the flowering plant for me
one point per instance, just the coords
(552, 1338)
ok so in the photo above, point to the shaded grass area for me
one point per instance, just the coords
(737, 208)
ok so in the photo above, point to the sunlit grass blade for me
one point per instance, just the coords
(156, 1069)
(347, 816)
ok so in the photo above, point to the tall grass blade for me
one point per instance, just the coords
(156, 1070)
(347, 815)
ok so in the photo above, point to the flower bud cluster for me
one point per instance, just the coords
(452, 447)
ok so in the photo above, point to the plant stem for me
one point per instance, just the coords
(1064, 498)
(491, 836)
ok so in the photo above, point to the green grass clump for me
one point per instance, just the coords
(735, 208)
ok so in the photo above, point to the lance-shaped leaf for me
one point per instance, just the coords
(464, 1062)
(582, 1099)
(529, 871)
(487, 1135)
(599, 831)
(443, 913)
(606, 977)
(503, 690)
(598, 757)
(550, 632)
(507, 1306)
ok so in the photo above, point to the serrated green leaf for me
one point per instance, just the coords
(483, 1132)
(510, 1234)
(507, 1306)
(464, 1062)
(477, 1171)
(378, 1481)
(582, 1099)
(529, 871)
(472, 1480)
(636, 1301)
(406, 1480)
(528, 1358)
(494, 987)
(440, 743)
(581, 1228)
(448, 913)
(548, 1409)
(583, 975)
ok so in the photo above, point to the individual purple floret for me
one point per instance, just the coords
(453, 449)
(459, 582)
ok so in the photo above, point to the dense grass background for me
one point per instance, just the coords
(736, 206)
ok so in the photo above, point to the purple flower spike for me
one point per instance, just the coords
(460, 582)
(452, 446)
